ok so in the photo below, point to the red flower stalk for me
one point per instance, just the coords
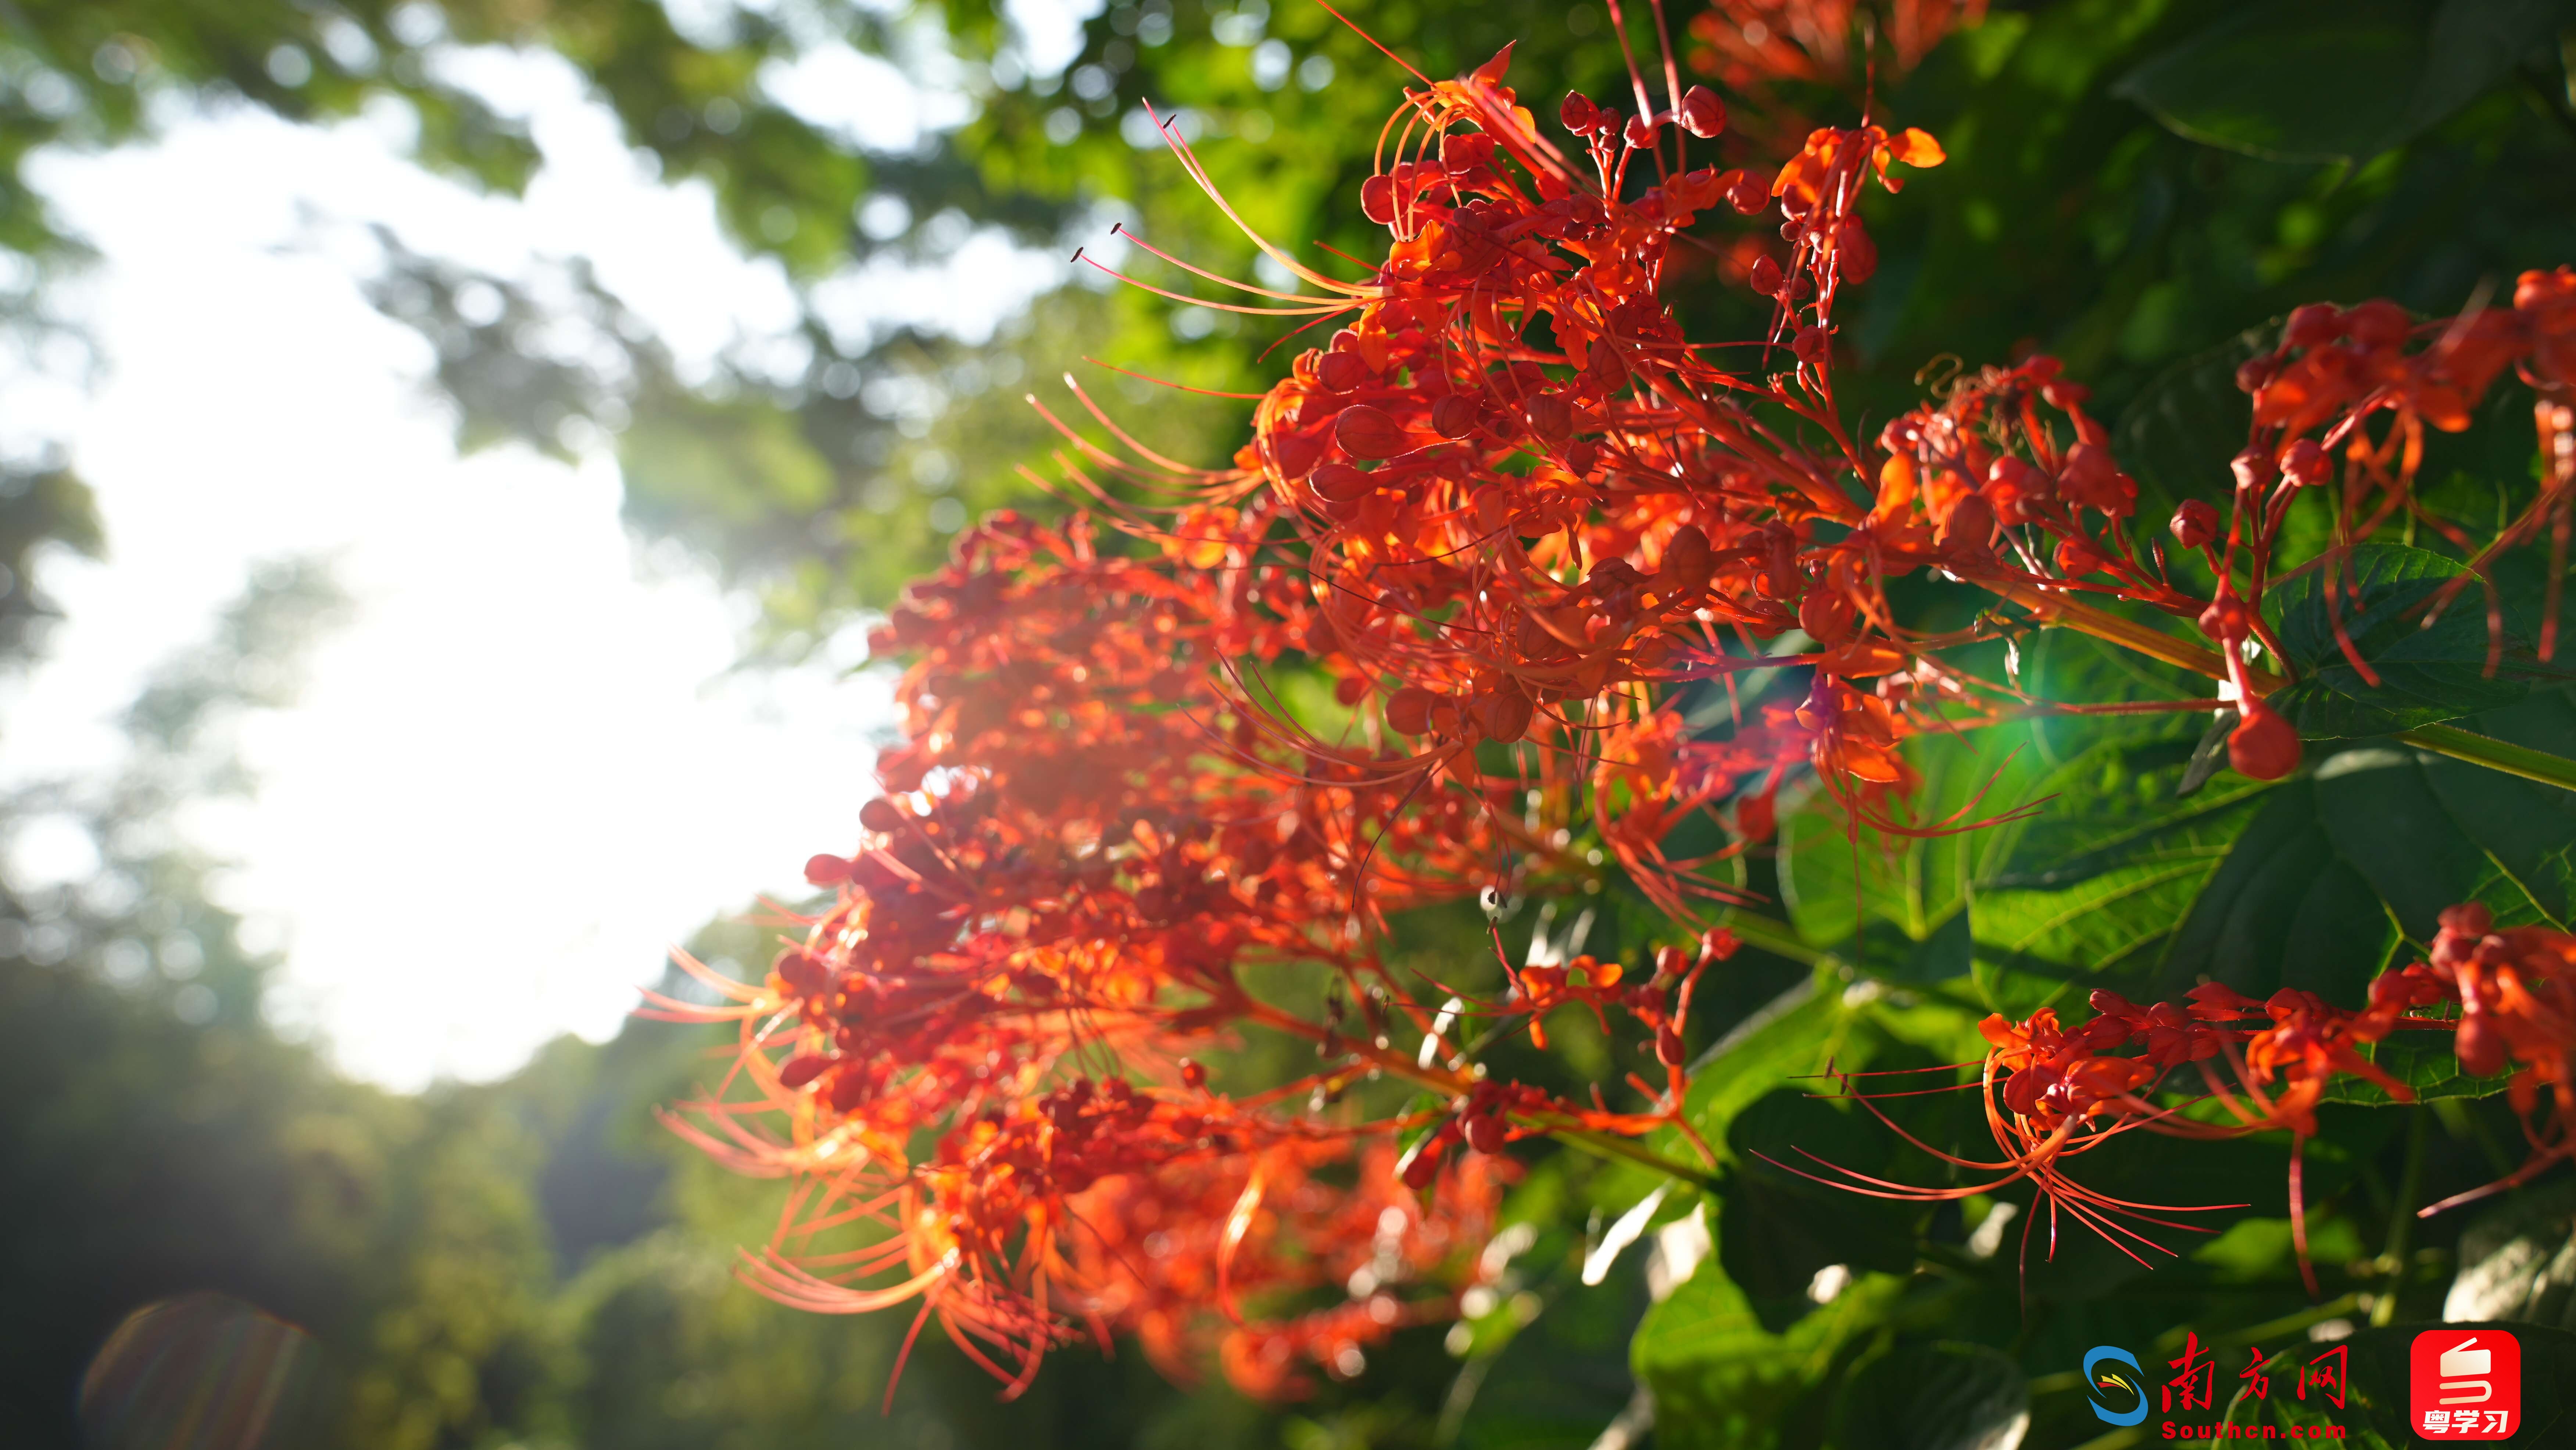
(2053, 1092)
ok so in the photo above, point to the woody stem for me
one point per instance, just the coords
(2494, 754)
(2056, 608)
(1771, 936)
(2450, 740)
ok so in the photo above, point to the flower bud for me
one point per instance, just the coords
(804, 974)
(1296, 454)
(2016, 489)
(1366, 432)
(1757, 817)
(1855, 255)
(803, 1068)
(1969, 529)
(1503, 714)
(1550, 415)
(1640, 132)
(1670, 1050)
(1341, 371)
(1454, 416)
(2470, 919)
(2377, 324)
(1702, 113)
(2480, 1045)
(2306, 463)
(1779, 562)
(2263, 746)
(1578, 114)
(2314, 325)
(1340, 483)
(1408, 711)
(2253, 468)
(2092, 479)
(1463, 151)
(2226, 619)
(2195, 524)
(1377, 199)
(1688, 561)
(1827, 615)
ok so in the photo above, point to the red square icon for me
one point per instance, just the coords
(2465, 1384)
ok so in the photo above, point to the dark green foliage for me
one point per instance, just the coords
(2375, 75)
(1939, 1396)
(2428, 667)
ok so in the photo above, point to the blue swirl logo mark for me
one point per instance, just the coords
(2116, 1387)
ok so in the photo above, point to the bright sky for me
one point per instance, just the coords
(524, 769)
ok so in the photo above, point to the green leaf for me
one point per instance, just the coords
(1916, 885)
(1940, 1396)
(2177, 435)
(2427, 674)
(2335, 80)
(2284, 909)
(1948, 952)
(1780, 1227)
(1723, 1381)
(1795, 1034)
(1556, 1378)
(2318, 882)
(2096, 889)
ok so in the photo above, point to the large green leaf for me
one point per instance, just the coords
(2335, 80)
(2428, 673)
(1939, 1396)
(1837, 884)
(2318, 882)
(1547, 1365)
(2095, 890)
(2313, 883)
(1723, 1381)
(2179, 432)
(1781, 1225)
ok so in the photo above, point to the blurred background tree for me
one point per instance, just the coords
(534, 1261)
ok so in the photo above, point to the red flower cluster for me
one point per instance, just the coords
(1512, 515)
(1094, 861)
(2053, 1092)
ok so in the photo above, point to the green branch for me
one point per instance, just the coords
(2494, 754)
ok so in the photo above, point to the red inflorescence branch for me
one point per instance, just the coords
(2054, 1092)
(1511, 513)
